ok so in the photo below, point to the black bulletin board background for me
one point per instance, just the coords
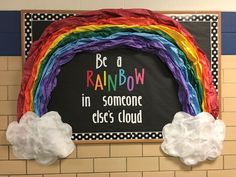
(160, 96)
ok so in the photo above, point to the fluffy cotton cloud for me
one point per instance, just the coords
(193, 139)
(44, 139)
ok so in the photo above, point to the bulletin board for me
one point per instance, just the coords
(142, 95)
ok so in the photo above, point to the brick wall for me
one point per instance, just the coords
(226, 5)
(115, 160)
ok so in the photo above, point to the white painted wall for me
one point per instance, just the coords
(162, 5)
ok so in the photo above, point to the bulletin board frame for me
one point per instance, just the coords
(214, 19)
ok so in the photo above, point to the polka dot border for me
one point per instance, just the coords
(28, 20)
(214, 22)
(29, 17)
(117, 136)
(212, 18)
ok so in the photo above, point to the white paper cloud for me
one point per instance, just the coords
(44, 139)
(193, 139)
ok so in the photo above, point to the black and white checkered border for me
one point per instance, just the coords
(117, 136)
(213, 19)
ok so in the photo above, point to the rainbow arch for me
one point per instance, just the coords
(103, 29)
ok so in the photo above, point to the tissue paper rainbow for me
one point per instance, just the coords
(104, 29)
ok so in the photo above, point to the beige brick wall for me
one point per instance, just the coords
(115, 160)
(197, 5)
